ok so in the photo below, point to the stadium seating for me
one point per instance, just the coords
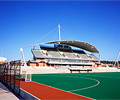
(65, 69)
(52, 52)
(93, 56)
(81, 54)
(42, 70)
(67, 52)
(79, 67)
(37, 53)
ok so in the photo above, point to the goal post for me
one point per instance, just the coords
(26, 76)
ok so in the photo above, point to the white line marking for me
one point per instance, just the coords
(63, 90)
(98, 82)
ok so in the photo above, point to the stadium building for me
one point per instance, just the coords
(64, 54)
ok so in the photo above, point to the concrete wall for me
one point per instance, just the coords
(27, 96)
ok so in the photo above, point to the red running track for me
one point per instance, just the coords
(44, 92)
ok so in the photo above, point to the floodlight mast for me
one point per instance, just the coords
(59, 31)
(21, 49)
(117, 59)
(23, 58)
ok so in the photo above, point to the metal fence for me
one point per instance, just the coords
(10, 75)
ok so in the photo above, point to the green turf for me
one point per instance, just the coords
(86, 84)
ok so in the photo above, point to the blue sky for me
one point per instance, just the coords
(23, 23)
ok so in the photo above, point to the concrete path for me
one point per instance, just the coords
(6, 94)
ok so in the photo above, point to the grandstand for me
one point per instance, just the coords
(62, 56)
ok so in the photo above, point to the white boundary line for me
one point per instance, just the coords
(64, 90)
(98, 82)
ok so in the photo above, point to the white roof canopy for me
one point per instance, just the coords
(83, 45)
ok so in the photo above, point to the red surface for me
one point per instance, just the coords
(45, 92)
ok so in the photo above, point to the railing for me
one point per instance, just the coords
(69, 60)
(10, 75)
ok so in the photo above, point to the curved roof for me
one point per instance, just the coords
(83, 45)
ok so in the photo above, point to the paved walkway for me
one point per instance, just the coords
(6, 94)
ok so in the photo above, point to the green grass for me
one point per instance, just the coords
(93, 85)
